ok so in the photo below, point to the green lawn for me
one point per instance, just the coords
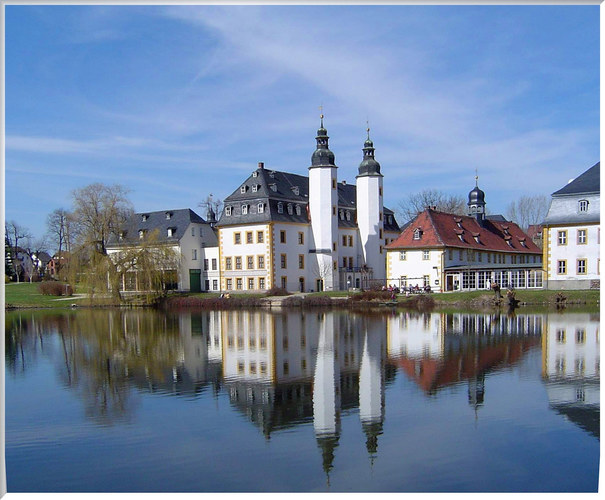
(27, 295)
(528, 296)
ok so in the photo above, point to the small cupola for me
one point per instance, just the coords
(369, 166)
(476, 202)
(322, 156)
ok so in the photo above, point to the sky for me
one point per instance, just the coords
(179, 102)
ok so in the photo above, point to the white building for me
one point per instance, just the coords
(191, 239)
(449, 252)
(302, 233)
(572, 234)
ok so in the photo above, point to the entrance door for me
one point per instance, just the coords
(449, 283)
(195, 280)
(320, 285)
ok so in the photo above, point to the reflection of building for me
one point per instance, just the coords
(438, 350)
(572, 233)
(571, 368)
(452, 252)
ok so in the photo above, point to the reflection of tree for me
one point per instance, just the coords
(97, 353)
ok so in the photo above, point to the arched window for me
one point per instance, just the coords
(583, 206)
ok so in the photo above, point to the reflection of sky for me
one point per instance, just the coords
(512, 442)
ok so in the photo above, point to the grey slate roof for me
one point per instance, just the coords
(272, 187)
(150, 221)
(588, 182)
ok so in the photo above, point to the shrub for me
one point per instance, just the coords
(371, 295)
(55, 288)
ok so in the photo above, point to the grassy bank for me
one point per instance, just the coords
(28, 295)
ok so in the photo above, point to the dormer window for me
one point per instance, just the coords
(297, 209)
(261, 208)
(341, 214)
(242, 189)
(290, 209)
(390, 219)
(348, 215)
(228, 211)
(168, 215)
(280, 208)
(122, 235)
(461, 236)
(244, 209)
(141, 234)
(583, 206)
(254, 188)
(170, 232)
(145, 217)
(295, 190)
(273, 187)
(417, 233)
(272, 174)
(254, 174)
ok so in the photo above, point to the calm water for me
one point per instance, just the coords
(255, 401)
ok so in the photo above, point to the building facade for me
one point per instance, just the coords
(447, 252)
(572, 232)
(304, 234)
(190, 241)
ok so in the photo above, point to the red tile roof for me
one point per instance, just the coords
(440, 229)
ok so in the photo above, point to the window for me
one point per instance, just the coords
(261, 208)
(282, 236)
(261, 262)
(426, 280)
(170, 233)
(402, 255)
(290, 209)
(239, 283)
(280, 208)
(141, 233)
(561, 267)
(301, 261)
(562, 237)
(581, 266)
(284, 261)
(284, 282)
(260, 236)
(301, 238)
(333, 210)
(145, 217)
(425, 255)
(194, 254)
(261, 283)
(348, 215)
(403, 281)
(333, 183)
(249, 238)
(242, 189)
(350, 241)
(244, 209)
(583, 206)
(238, 263)
(344, 262)
(215, 284)
(297, 209)
(560, 335)
(228, 263)
(237, 238)
(250, 283)
(229, 284)
(580, 336)
(206, 263)
(192, 231)
(254, 187)
(581, 236)
(417, 234)
(351, 262)
(344, 241)
(228, 211)
(250, 262)
(168, 215)
(214, 264)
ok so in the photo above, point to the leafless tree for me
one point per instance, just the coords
(15, 235)
(210, 203)
(59, 223)
(415, 203)
(528, 210)
(99, 211)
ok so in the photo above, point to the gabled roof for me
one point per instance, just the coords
(177, 220)
(587, 182)
(441, 229)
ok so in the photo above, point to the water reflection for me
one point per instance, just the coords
(282, 370)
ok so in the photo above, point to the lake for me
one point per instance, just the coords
(320, 401)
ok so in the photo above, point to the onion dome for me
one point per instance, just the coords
(476, 197)
(369, 166)
(322, 156)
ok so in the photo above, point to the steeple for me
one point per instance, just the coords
(369, 166)
(322, 156)
(476, 201)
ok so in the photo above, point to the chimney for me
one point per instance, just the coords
(261, 164)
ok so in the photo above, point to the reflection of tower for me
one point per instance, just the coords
(326, 394)
(476, 391)
(371, 393)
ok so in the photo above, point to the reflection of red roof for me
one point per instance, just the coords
(433, 373)
(440, 229)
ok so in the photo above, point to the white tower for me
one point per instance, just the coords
(370, 212)
(323, 203)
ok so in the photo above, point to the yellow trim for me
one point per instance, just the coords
(301, 241)
(585, 267)
(258, 232)
(235, 234)
(251, 234)
(248, 257)
(558, 261)
(299, 260)
(283, 258)
(585, 236)
(559, 233)
(258, 266)
(271, 263)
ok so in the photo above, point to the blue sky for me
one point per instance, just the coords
(177, 102)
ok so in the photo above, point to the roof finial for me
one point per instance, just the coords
(476, 178)
(368, 128)
(321, 111)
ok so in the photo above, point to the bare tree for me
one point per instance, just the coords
(210, 204)
(99, 212)
(59, 223)
(415, 203)
(34, 247)
(16, 234)
(528, 210)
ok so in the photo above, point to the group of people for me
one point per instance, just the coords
(407, 290)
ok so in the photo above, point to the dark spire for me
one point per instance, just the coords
(369, 166)
(476, 201)
(322, 157)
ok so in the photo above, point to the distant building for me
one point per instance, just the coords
(449, 252)
(534, 231)
(191, 238)
(572, 231)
